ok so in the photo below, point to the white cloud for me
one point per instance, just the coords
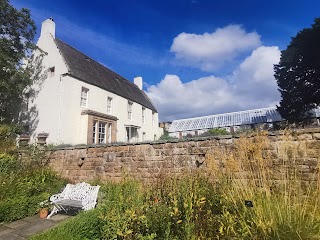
(211, 51)
(250, 86)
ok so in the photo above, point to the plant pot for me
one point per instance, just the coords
(43, 213)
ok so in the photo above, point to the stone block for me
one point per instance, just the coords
(207, 143)
(313, 144)
(122, 148)
(316, 136)
(313, 153)
(88, 173)
(158, 146)
(99, 170)
(304, 136)
(200, 150)
(138, 159)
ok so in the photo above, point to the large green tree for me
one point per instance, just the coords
(17, 31)
(298, 74)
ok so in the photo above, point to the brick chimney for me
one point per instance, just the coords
(48, 27)
(138, 82)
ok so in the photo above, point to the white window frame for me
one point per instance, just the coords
(130, 107)
(109, 105)
(94, 132)
(84, 97)
(102, 132)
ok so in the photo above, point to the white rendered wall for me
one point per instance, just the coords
(97, 101)
(47, 102)
(58, 105)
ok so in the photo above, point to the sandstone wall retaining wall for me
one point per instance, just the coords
(146, 161)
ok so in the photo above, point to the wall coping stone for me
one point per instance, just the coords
(198, 139)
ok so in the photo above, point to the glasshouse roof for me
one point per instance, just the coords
(263, 115)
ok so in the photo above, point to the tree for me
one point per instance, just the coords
(17, 32)
(298, 74)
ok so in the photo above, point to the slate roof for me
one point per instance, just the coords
(88, 70)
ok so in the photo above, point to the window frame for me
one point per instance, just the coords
(84, 98)
(109, 105)
(102, 134)
(130, 110)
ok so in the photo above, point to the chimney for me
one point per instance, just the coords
(48, 27)
(138, 82)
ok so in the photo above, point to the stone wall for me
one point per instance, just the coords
(146, 161)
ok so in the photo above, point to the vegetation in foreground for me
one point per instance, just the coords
(24, 183)
(207, 206)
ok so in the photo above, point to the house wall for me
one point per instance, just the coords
(97, 101)
(47, 101)
(58, 103)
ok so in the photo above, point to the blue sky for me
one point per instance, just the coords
(196, 57)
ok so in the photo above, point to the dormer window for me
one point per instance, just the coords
(51, 72)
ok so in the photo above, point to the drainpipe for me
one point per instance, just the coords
(60, 105)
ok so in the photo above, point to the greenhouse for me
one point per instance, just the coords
(226, 120)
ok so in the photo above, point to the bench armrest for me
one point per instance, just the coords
(56, 197)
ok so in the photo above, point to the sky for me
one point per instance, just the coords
(196, 57)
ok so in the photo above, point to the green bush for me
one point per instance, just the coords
(8, 163)
(218, 131)
(21, 192)
(23, 185)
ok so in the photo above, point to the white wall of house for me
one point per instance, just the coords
(47, 101)
(59, 109)
(97, 101)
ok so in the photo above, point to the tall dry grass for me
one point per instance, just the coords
(285, 205)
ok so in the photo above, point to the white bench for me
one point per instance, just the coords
(79, 196)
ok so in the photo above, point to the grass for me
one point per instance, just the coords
(210, 205)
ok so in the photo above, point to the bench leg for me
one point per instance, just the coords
(54, 211)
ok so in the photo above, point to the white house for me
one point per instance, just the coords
(82, 102)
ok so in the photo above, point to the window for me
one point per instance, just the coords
(109, 132)
(51, 72)
(102, 132)
(109, 105)
(143, 136)
(94, 132)
(130, 110)
(143, 115)
(132, 134)
(84, 97)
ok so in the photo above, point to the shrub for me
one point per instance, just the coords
(8, 136)
(166, 136)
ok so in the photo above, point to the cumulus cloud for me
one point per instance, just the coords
(250, 86)
(211, 51)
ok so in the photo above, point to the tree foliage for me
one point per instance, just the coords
(298, 74)
(17, 32)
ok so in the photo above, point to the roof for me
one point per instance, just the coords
(88, 70)
(263, 115)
